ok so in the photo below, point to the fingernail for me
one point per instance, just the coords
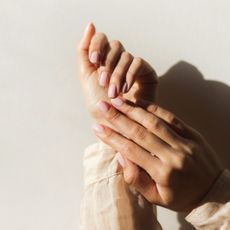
(104, 107)
(94, 58)
(98, 128)
(124, 88)
(112, 90)
(117, 101)
(120, 159)
(103, 79)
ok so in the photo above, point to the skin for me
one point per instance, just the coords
(167, 161)
(98, 55)
(177, 166)
(112, 58)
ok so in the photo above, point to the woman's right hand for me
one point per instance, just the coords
(177, 167)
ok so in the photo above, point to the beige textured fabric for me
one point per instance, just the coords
(214, 210)
(109, 204)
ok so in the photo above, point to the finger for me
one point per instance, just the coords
(110, 61)
(119, 74)
(128, 149)
(83, 47)
(151, 122)
(173, 121)
(97, 48)
(142, 71)
(138, 178)
(134, 131)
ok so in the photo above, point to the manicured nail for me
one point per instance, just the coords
(112, 90)
(117, 101)
(94, 58)
(103, 78)
(120, 159)
(125, 88)
(104, 107)
(98, 128)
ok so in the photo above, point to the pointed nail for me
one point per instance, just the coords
(120, 159)
(112, 91)
(117, 101)
(103, 79)
(95, 57)
(98, 128)
(103, 106)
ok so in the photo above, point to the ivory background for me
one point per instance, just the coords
(44, 126)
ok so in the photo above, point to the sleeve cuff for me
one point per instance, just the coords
(99, 162)
(217, 197)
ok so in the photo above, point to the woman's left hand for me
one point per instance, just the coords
(167, 161)
(107, 70)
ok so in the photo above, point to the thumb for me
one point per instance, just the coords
(138, 179)
(83, 48)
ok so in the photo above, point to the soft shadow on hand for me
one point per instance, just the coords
(203, 104)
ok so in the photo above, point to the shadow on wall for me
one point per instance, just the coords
(203, 104)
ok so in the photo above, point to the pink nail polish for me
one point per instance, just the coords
(94, 58)
(117, 101)
(103, 79)
(98, 128)
(103, 106)
(125, 88)
(112, 91)
(120, 159)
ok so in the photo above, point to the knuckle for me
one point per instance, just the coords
(114, 116)
(139, 132)
(127, 149)
(182, 162)
(117, 72)
(171, 118)
(129, 109)
(116, 44)
(126, 56)
(190, 147)
(153, 108)
(98, 40)
(109, 62)
(151, 122)
(101, 35)
(139, 61)
(156, 124)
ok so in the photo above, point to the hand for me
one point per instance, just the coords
(177, 167)
(105, 63)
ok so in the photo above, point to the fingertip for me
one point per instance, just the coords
(89, 28)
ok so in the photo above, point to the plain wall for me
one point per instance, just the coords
(44, 126)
